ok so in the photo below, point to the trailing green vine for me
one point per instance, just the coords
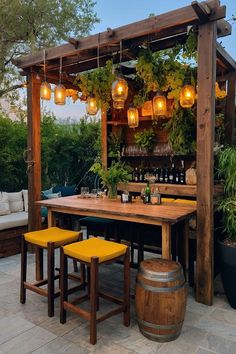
(145, 139)
(182, 131)
(97, 82)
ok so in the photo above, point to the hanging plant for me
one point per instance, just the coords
(182, 131)
(145, 139)
(97, 82)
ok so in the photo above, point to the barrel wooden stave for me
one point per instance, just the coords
(160, 299)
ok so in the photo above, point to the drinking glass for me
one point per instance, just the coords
(84, 191)
(94, 193)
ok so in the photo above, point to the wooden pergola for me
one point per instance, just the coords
(162, 31)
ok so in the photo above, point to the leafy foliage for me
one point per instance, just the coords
(227, 205)
(182, 131)
(116, 173)
(115, 141)
(145, 139)
(68, 151)
(30, 25)
(97, 82)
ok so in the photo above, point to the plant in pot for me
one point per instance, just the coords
(118, 172)
(227, 206)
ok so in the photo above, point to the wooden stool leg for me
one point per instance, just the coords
(126, 319)
(24, 247)
(93, 299)
(64, 284)
(39, 263)
(51, 290)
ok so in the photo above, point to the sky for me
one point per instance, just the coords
(122, 12)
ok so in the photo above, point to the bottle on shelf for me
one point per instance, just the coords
(161, 176)
(166, 175)
(147, 196)
(182, 173)
(176, 177)
(141, 175)
(136, 175)
(172, 173)
(157, 174)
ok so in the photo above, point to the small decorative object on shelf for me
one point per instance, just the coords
(156, 197)
(147, 195)
(126, 197)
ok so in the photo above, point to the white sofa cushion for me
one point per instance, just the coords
(25, 198)
(13, 220)
(4, 204)
(16, 202)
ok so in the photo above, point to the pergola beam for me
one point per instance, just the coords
(176, 18)
(223, 56)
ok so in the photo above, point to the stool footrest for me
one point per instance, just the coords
(75, 288)
(80, 299)
(110, 314)
(36, 289)
(44, 281)
(112, 298)
(85, 314)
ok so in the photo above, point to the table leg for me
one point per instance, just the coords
(185, 260)
(166, 240)
(51, 218)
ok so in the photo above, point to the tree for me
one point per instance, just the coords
(29, 25)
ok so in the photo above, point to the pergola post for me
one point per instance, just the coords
(205, 160)
(34, 150)
(229, 109)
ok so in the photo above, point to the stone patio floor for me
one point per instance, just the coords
(27, 329)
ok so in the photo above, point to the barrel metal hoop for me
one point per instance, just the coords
(155, 326)
(165, 277)
(159, 290)
(160, 337)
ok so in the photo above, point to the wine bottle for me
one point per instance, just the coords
(182, 173)
(161, 176)
(141, 175)
(166, 175)
(147, 197)
(136, 174)
(172, 173)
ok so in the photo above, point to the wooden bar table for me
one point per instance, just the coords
(163, 215)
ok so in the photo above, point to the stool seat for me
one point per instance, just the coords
(95, 247)
(60, 237)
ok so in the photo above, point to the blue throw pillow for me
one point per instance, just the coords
(46, 192)
(53, 195)
(66, 191)
(44, 212)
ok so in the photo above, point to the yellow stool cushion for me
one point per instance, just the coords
(95, 247)
(53, 234)
(167, 200)
(186, 201)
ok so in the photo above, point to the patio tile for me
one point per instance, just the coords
(61, 346)
(204, 351)
(27, 341)
(219, 344)
(11, 326)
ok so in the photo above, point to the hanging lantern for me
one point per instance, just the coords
(60, 94)
(187, 96)
(133, 117)
(92, 106)
(45, 88)
(45, 91)
(159, 105)
(119, 92)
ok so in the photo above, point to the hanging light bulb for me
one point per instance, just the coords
(45, 88)
(133, 117)
(60, 90)
(92, 106)
(159, 105)
(119, 88)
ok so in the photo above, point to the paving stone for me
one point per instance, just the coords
(219, 344)
(204, 351)
(61, 346)
(11, 326)
(27, 341)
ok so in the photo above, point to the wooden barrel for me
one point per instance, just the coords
(160, 299)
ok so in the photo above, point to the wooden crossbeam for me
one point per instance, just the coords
(225, 57)
(169, 20)
(224, 28)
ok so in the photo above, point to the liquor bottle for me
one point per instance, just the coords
(161, 176)
(157, 174)
(182, 173)
(147, 197)
(172, 173)
(176, 177)
(141, 175)
(136, 175)
(166, 175)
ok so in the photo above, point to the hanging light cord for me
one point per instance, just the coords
(98, 51)
(60, 73)
(44, 64)
(120, 53)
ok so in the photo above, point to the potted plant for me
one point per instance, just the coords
(227, 206)
(113, 175)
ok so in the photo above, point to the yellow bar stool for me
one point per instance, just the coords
(48, 239)
(93, 252)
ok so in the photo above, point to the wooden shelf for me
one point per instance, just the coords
(169, 189)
